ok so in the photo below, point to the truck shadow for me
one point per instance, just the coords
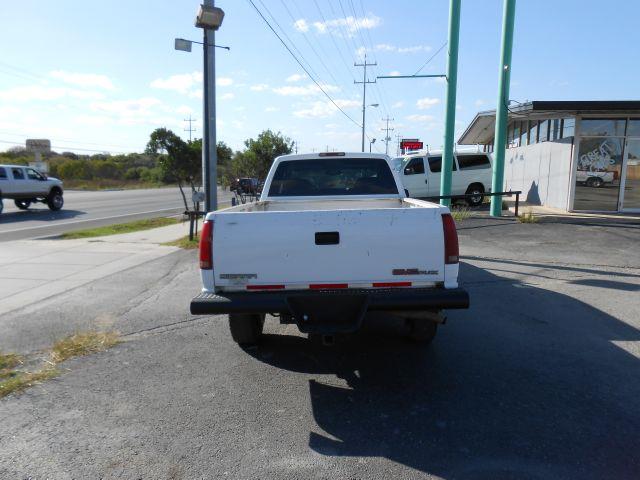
(41, 214)
(527, 384)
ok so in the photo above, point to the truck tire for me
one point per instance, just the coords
(55, 200)
(422, 331)
(595, 182)
(22, 204)
(475, 188)
(245, 328)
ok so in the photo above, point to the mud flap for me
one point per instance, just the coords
(328, 314)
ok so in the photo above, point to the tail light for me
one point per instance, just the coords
(451, 250)
(206, 246)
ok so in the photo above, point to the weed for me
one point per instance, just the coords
(460, 213)
(121, 228)
(84, 343)
(528, 217)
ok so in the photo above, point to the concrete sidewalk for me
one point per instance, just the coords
(33, 270)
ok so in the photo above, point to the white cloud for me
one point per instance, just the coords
(360, 52)
(197, 93)
(394, 73)
(480, 102)
(352, 24)
(184, 110)
(296, 77)
(260, 87)
(271, 109)
(180, 83)
(386, 47)
(427, 103)
(301, 25)
(399, 104)
(308, 90)
(420, 118)
(185, 82)
(137, 111)
(85, 80)
(228, 96)
(44, 93)
(325, 109)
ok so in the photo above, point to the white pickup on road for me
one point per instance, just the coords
(26, 185)
(330, 239)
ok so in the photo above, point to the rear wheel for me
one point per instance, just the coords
(422, 331)
(22, 204)
(55, 200)
(246, 329)
(595, 182)
(475, 189)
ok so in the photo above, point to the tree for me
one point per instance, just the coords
(263, 151)
(181, 161)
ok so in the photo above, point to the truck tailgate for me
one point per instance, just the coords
(328, 248)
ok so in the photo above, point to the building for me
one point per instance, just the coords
(570, 155)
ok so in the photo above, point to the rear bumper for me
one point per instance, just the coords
(375, 300)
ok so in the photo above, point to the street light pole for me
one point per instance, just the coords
(209, 153)
(450, 117)
(502, 115)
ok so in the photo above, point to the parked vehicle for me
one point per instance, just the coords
(26, 185)
(595, 179)
(471, 175)
(319, 249)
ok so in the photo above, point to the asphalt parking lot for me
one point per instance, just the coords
(537, 380)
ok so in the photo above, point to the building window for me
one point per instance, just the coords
(602, 127)
(533, 132)
(568, 127)
(555, 133)
(524, 133)
(515, 142)
(510, 135)
(633, 129)
(543, 135)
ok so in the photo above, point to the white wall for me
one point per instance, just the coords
(542, 171)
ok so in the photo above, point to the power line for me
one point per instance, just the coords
(301, 65)
(63, 147)
(387, 138)
(431, 58)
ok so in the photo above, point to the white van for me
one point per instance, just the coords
(472, 172)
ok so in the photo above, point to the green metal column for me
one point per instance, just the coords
(502, 114)
(450, 116)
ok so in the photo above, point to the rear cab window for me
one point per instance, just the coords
(473, 162)
(3, 173)
(333, 176)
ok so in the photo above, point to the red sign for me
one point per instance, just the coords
(411, 145)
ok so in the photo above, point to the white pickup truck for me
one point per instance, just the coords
(26, 185)
(331, 239)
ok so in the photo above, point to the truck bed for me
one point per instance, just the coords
(328, 204)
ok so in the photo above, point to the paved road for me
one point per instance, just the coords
(84, 209)
(538, 380)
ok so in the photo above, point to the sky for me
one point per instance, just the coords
(101, 76)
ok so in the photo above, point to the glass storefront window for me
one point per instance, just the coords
(543, 134)
(555, 129)
(533, 132)
(524, 131)
(598, 174)
(515, 142)
(633, 129)
(602, 127)
(568, 127)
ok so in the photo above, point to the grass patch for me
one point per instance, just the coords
(460, 213)
(108, 184)
(82, 344)
(15, 379)
(185, 243)
(528, 217)
(121, 228)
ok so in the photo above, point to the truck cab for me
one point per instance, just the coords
(25, 185)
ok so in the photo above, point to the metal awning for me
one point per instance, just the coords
(482, 127)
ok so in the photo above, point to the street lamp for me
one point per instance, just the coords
(373, 140)
(209, 18)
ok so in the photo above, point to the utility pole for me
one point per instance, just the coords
(398, 137)
(190, 129)
(450, 116)
(364, 83)
(387, 138)
(502, 115)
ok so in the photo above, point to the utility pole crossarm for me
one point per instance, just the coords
(387, 138)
